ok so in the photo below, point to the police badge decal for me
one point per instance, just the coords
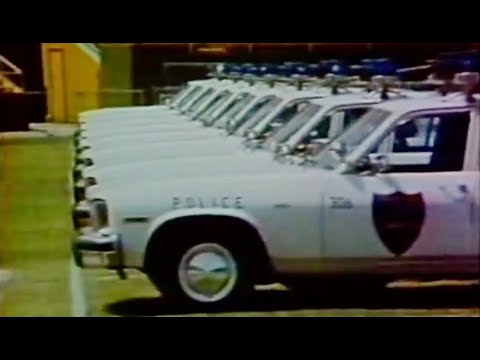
(398, 220)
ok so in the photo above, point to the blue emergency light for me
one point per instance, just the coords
(266, 69)
(252, 70)
(307, 70)
(339, 68)
(284, 70)
(468, 64)
(235, 69)
(384, 67)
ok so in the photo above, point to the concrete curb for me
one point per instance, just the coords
(61, 130)
(22, 135)
(79, 300)
(38, 131)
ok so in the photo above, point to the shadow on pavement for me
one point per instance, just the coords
(266, 301)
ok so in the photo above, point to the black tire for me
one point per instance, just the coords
(165, 254)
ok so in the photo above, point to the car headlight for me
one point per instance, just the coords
(99, 214)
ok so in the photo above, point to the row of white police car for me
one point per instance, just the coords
(272, 173)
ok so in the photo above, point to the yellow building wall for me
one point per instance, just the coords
(71, 74)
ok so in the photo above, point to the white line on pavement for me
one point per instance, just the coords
(80, 307)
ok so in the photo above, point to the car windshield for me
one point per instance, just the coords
(297, 121)
(213, 105)
(199, 101)
(183, 91)
(186, 99)
(342, 146)
(258, 112)
(240, 102)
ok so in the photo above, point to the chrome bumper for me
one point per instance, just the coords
(81, 215)
(92, 249)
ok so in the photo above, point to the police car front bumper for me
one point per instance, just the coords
(98, 249)
(81, 215)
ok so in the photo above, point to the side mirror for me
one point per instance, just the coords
(375, 164)
(380, 163)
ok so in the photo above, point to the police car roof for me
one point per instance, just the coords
(294, 93)
(451, 101)
(260, 90)
(346, 99)
(362, 97)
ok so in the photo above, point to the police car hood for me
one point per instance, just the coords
(140, 125)
(187, 147)
(150, 135)
(218, 165)
(154, 198)
(137, 115)
(118, 112)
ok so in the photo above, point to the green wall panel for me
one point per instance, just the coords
(116, 76)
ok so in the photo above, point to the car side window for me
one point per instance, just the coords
(432, 143)
(352, 115)
(416, 135)
(290, 111)
(323, 130)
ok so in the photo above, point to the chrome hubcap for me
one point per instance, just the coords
(207, 273)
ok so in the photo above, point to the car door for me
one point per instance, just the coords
(414, 217)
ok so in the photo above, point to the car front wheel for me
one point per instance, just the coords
(203, 273)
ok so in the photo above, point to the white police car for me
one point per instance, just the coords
(198, 97)
(313, 126)
(284, 112)
(104, 116)
(362, 207)
(223, 107)
(141, 122)
(269, 107)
